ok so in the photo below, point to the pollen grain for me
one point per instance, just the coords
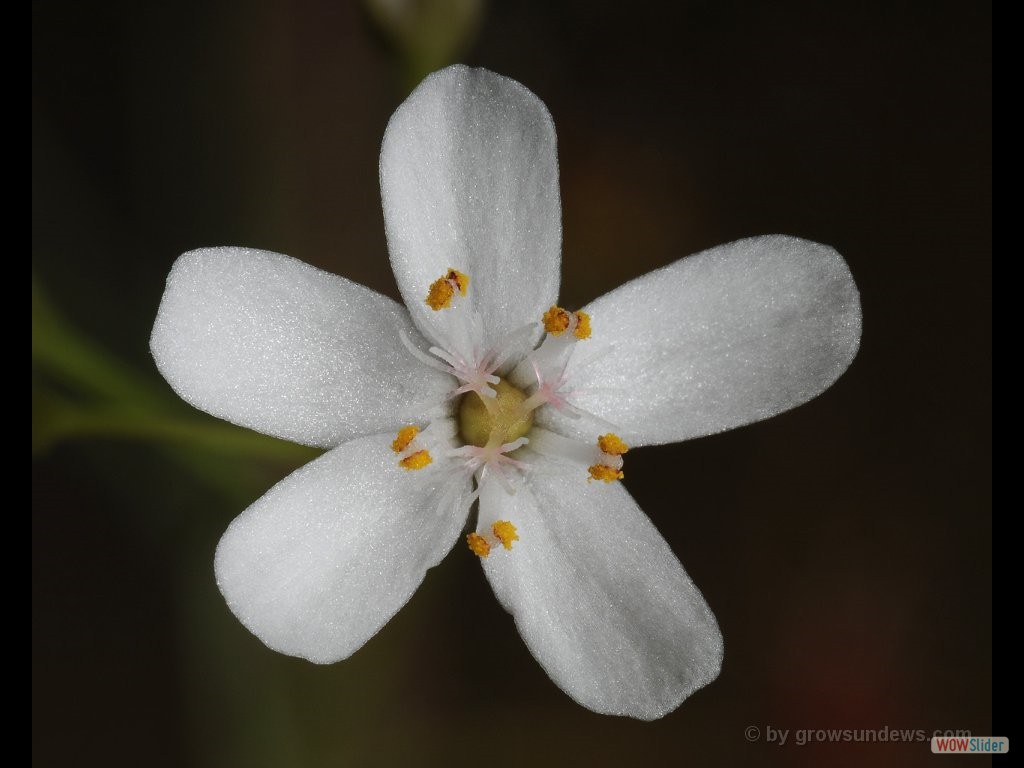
(418, 460)
(582, 330)
(612, 444)
(556, 321)
(506, 533)
(478, 544)
(442, 290)
(605, 473)
(405, 436)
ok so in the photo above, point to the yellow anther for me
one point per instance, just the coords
(609, 466)
(556, 321)
(612, 444)
(440, 294)
(605, 473)
(461, 281)
(405, 436)
(443, 289)
(418, 460)
(478, 544)
(506, 533)
(582, 326)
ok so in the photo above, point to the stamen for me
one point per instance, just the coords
(418, 460)
(461, 280)
(506, 533)
(612, 443)
(443, 289)
(609, 464)
(414, 455)
(607, 474)
(582, 329)
(557, 321)
(478, 544)
(405, 436)
(603, 460)
(458, 348)
(440, 295)
(548, 363)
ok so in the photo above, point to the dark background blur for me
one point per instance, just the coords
(845, 547)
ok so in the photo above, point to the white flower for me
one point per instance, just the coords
(470, 188)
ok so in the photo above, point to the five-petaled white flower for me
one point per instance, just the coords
(481, 388)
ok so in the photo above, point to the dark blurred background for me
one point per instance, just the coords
(845, 547)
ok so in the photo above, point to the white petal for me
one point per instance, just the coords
(469, 178)
(276, 345)
(321, 562)
(599, 598)
(726, 337)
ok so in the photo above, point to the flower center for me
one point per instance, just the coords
(503, 416)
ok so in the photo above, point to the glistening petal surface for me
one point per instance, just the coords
(321, 562)
(276, 345)
(469, 179)
(598, 596)
(722, 338)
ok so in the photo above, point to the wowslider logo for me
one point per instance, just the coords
(970, 745)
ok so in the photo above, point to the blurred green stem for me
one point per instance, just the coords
(106, 398)
(68, 356)
(215, 436)
(427, 34)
